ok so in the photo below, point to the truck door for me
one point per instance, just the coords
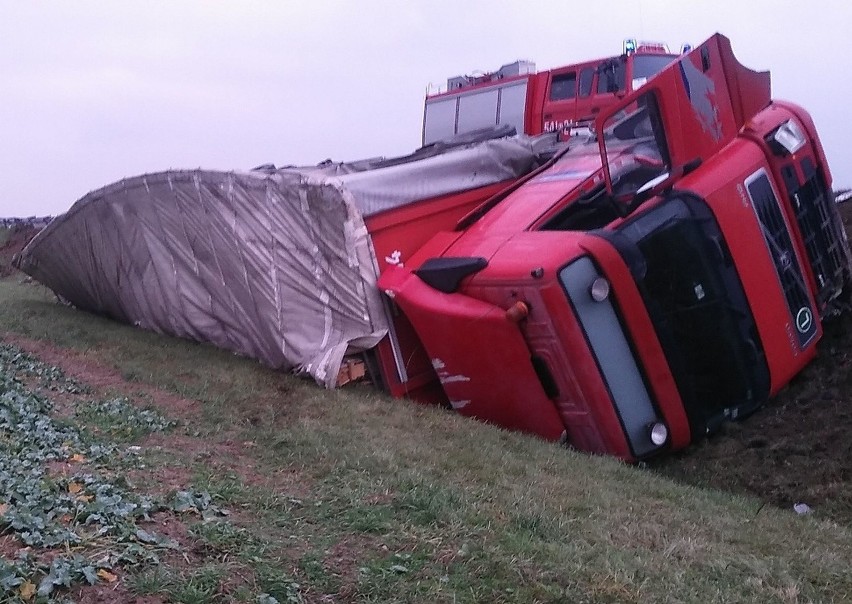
(589, 102)
(586, 107)
(610, 85)
(560, 98)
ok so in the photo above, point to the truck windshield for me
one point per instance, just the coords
(687, 279)
(645, 66)
(635, 146)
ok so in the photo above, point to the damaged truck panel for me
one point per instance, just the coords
(504, 389)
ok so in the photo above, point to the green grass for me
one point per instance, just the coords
(355, 496)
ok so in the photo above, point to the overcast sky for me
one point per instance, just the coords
(91, 92)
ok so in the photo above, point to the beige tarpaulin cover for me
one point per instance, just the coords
(272, 264)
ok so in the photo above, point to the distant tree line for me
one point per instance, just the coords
(38, 222)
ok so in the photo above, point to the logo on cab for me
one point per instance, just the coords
(804, 319)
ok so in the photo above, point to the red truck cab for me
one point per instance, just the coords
(649, 283)
(535, 102)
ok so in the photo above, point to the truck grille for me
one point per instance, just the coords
(783, 255)
(683, 268)
(821, 229)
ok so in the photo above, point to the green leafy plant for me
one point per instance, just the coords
(120, 419)
(16, 362)
(86, 511)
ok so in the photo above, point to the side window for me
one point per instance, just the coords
(611, 76)
(513, 102)
(440, 120)
(478, 110)
(586, 78)
(563, 86)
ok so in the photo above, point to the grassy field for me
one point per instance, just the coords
(302, 495)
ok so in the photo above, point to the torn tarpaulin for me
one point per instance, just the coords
(272, 264)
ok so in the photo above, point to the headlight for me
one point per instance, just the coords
(659, 433)
(599, 290)
(789, 136)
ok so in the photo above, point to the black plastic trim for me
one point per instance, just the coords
(446, 274)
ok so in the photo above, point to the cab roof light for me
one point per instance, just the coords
(653, 48)
(631, 45)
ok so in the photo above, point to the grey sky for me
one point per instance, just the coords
(91, 92)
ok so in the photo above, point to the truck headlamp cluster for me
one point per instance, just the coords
(789, 137)
(599, 290)
(591, 299)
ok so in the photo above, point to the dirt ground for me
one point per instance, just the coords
(796, 449)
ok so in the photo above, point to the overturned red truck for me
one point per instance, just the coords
(645, 285)
(625, 291)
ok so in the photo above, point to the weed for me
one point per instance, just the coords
(150, 581)
(119, 419)
(199, 586)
